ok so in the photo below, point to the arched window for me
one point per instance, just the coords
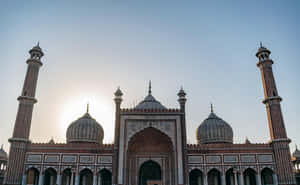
(149, 171)
(267, 177)
(196, 177)
(214, 177)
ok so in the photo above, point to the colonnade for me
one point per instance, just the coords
(233, 177)
(85, 177)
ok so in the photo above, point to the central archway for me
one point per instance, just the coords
(149, 171)
(150, 150)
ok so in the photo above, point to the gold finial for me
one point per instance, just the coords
(211, 108)
(87, 108)
(149, 89)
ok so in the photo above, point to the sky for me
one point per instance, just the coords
(93, 47)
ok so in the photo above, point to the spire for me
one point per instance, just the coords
(295, 146)
(38, 44)
(261, 44)
(2, 147)
(87, 108)
(211, 108)
(149, 89)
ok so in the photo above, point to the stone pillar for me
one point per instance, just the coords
(77, 178)
(95, 180)
(24, 179)
(205, 179)
(258, 179)
(223, 179)
(72, 178)
(241, 179)
(275, 180)
(51, 180)
(41, 179)
(235, 178)
(58, 179)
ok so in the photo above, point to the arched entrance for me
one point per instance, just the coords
(196, 177)
(230, 177)
(86, 177)
(150, 171)
(249, 177)
(50, 177)
(267, 177)
(32, 176)
(150, 151)
(66, 177)
(214, 177)
(105, 177)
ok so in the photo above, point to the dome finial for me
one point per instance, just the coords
(38, 44)
(296, 146)
(149, 88)
(2, 147)
(260, 44)
(211, 108)
(87, 107)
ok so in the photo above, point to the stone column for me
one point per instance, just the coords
(235, 178)
(72, 178)
(275, 180)
(24, 179)
(77, 178)
(41, 179)
(95, 180)
(241, 179)
(223, 179)
(58, 179)
(205, 179)
(52, 180)
(258, 179)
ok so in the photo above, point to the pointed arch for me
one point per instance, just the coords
(250, 176)
(214, 177)
(32, 176)
(267, 176)
(149, 171)
(196, 177)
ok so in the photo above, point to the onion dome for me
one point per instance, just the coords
(3, 154)
(85, 130)
(214, 130)
(296, 154)
(150, 102)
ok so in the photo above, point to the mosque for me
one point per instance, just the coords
(150, 145)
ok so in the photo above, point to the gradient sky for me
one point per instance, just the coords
(92, 47)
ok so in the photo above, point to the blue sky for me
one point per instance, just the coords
(92, 47)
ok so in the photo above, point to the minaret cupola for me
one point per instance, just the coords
(263, 53)
(36, 52)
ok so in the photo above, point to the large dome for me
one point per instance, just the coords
(214, 130)
(85, 129)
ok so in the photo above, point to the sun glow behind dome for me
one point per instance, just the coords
(99, 108)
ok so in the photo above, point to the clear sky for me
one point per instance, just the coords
(92, 47)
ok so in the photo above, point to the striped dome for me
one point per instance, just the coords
(214, 130)
(85, 129)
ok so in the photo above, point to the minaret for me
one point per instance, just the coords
(21, 132)
(118, 100)
(182, 101)
(279, 140)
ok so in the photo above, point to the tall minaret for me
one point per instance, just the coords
(20, 138)
(182, 101)
(279, 140)
(118, 100)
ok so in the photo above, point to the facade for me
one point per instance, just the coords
(150, 145)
